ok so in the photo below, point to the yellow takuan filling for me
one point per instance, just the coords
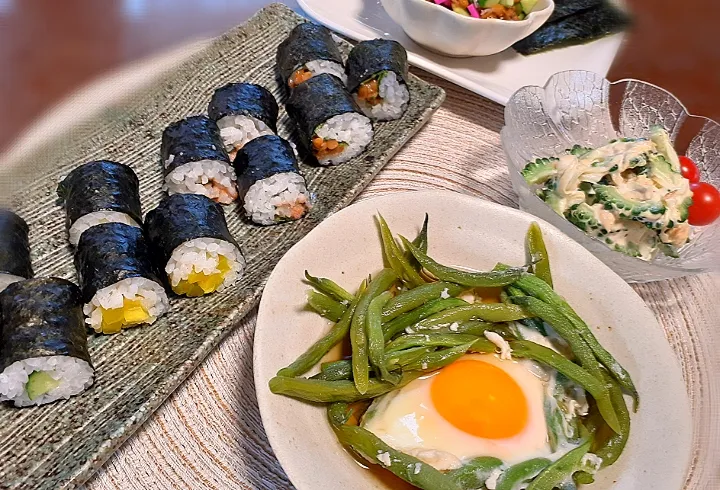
(198, 283)
(132, 313)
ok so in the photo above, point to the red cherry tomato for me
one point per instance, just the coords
(689, 170)
(706, 204)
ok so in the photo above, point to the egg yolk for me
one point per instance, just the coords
(480, 399)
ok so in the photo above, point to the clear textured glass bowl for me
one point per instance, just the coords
(580, 107)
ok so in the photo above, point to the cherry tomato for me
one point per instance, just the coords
(689, 170)
(706, 204)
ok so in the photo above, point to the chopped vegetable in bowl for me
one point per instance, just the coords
(489, 9)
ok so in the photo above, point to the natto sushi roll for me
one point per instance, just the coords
(329, 121)
(377, 78)
(100, 192)
(243, 111)
(15, 262)
(195, 160)
(119, 285)
(191, 240)
(269, 181)
(308, 51)
(43, 346)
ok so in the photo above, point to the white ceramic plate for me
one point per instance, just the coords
(496, 77)
(474, 233)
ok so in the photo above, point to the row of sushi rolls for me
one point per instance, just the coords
(127, 266)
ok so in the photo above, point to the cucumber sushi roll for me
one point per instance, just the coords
(329, 121)
(308, 51)
(43, 346)
(195, 160)
(15, 262)
(119, 285)
(191, 239)
(243, 111)
(269, 181)
(100, 192)
(377, 78)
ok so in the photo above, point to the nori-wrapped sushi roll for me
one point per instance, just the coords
(191, 240)
(269, 181)
(43, 346)
(15, 262)
(195, 160)
(100, 192)
(243, 111)
(119, 285)
(377, 77)
(329, 121)
(308, 51)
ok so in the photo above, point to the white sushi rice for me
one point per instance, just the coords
(237, 131)
(355, 130)
(7, 279)
(202, 254)
(152, 296)
(83, 223)
(395, 97)
(75, 376)
(270, 200)
(316, 67)
(211, 178)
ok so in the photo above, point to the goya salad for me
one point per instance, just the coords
(490, 9)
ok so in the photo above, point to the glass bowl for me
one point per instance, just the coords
(581, 107)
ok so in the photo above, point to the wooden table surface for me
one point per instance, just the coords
(49, 48)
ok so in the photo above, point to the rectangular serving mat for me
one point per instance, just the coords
(60, 445)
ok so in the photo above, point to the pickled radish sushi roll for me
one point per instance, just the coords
(308, 51)
(43, 345)
(329, 121)
(119, 285)
(269, 181)
(195, 160)
(377, 78)
(100, 192)
(243, 111)
(15, 262)
(191, 240)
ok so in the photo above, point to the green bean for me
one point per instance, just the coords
(396, 259)
(376, 341)
(554, 421)
(325, 306)
(433, 361)
(489, 312)
(400, 323)
(538, 253)
(483, 346)
(402, 358)
(329, 287)
(517, 475)
(414, 298)
(474, 327)
(421, 242)
(561, 471)
(428, 340)
(610, 448)
(321, 391)
(335, 370)
(318, 350)
(472, 475)
(534, 323)
(470, 279)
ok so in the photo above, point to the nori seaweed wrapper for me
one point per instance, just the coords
(101, 186)
(244, 99)
(566, 8)
(183, 217)
(369, 58)
(317, 100)
(41, 318)
(14, 245)
(191, 140)
(109, 253)
(307, 42)
(261, 158)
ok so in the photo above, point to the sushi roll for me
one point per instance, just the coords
(377, 77)
(195, 160)
(100, 192)
(243, 111)
(269, 181)
(43, 346)
(15, 262)
(329, 121)
(119, 286)
(191, 240)
(308, 51)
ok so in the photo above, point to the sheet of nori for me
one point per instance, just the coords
(109, 253)
(565, 8)
(191, 140)
(317, 100)
(368, 58)
(307, 42)
(40, 318)
(14, 245)
(262, 157)
(183, 217)
(101, 186)
(244, 99)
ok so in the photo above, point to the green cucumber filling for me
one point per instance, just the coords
(40, 383)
